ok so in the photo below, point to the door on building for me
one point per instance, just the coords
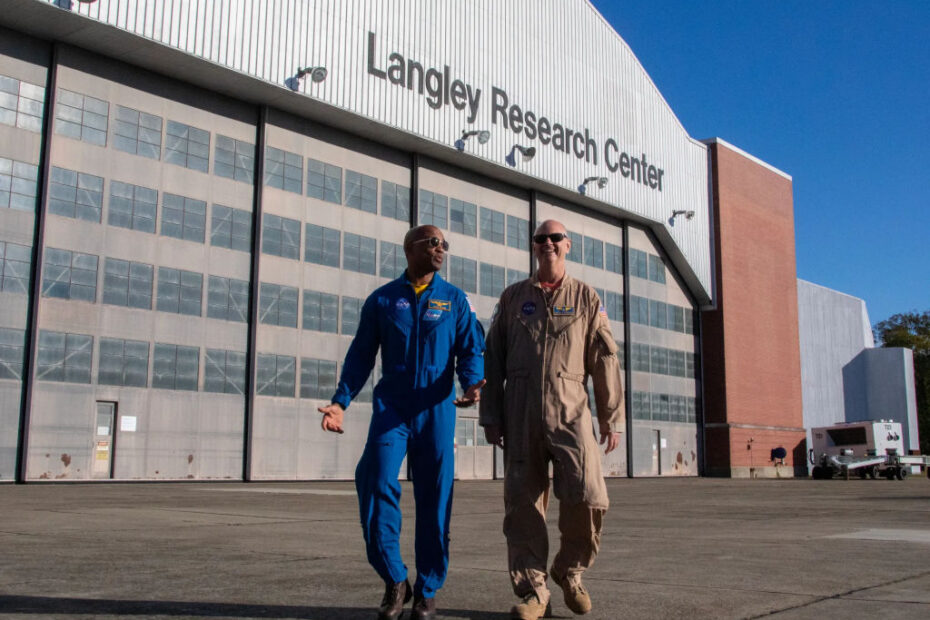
(656, 453)
(104, 436)
(474, 457)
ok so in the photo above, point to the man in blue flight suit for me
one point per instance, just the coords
(427, 332)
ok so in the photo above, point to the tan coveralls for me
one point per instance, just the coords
(541, 348)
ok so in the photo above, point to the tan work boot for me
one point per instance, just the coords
(530, 608)
(576, 596)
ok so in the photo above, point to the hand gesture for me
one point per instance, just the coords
(492, 432)
(472, 395)
(332, 418)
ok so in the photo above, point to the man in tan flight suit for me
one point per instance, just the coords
(549, 334)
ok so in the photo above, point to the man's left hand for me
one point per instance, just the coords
(472, 395)
(609, 437)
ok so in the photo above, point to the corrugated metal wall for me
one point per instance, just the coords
(556, 58)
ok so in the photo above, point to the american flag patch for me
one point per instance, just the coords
(471, 306)
(602, 311)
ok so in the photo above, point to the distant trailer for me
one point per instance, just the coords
(870, 449)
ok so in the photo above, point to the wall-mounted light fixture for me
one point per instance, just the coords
(317, 74)
(688, 215)
(528, 153)
(601, 184)
(66, 4)
(483, 136)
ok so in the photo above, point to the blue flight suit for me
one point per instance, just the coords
(423, 343)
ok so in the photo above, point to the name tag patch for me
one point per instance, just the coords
(432, 315)
(438, 304)
(563, 310)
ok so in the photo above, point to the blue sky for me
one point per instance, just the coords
(834, 93)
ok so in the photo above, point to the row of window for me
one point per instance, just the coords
(21, 104)
(664, 407)
(18, 182)
(662, 361)
(66, 357)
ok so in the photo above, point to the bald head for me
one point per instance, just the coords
(550, 226)
(420, 232)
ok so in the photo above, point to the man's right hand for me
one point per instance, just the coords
(332, 418)
(492, 432)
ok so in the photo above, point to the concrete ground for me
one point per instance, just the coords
(672, 548)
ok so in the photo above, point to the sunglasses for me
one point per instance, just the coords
(553, 237)
(434, 242)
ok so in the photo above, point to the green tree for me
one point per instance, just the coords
(911, 330)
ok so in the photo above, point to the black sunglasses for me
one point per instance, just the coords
(553, 237)
(435, 242)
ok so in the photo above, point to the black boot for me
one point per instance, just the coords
(395, 595)
(423, 608)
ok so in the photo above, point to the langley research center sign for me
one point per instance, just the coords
(440, 89)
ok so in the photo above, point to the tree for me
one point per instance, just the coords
(911, 330)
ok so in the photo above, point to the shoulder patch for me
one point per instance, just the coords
(471, 306)
(602, 311)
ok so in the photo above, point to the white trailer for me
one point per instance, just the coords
(870, 449)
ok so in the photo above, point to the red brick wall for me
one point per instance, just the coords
(750, 350)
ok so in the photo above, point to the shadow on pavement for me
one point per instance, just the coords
(85, 606)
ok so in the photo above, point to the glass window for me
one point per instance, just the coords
(69, 275)
(463, 217)
(187, 146)
(395, 201)
(492, 226)
(434, 209)
(351, 310)
(284, 170)
(224, 372)
(492, 280)
(15, 260)
(75, 194)
(361, 191)
(639, 310)
(123, 362)
(179, 291)
(317, 378)
(18, 183)
(593, 252)
(641, 357)
(277, 305)
(614, 306)
(642, 406)
(321, 312)
(322, 245)
(676, 318)
(393, 261)
(660, 408)
(231, 228)
(81, 117)
(137, 132)
(515, 275)
(359, 253)
(463, 273)
(638, 263)
(324, 181)
(132, 206)
(280, 236)
(689, 321)
(659, 360)
(656, 269)
(228, 299)
(276, 375)
(127, 283)
(234, 159)
(690, 365)
(575, 254)
(613, 255)
(518, 233)
(175, 367)
(12, 350)
(183, 218)
(658, 314)
(64, 357)
(676, 363)
(21, 104)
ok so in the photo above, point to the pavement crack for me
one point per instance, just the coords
(840, 595)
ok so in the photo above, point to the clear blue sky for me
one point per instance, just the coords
(834, 93)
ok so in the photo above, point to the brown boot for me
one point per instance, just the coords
(530, 608)
(576, 596)
(395, 595)
(423, 608)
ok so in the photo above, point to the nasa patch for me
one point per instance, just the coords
(529, 308)
(402, 304)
